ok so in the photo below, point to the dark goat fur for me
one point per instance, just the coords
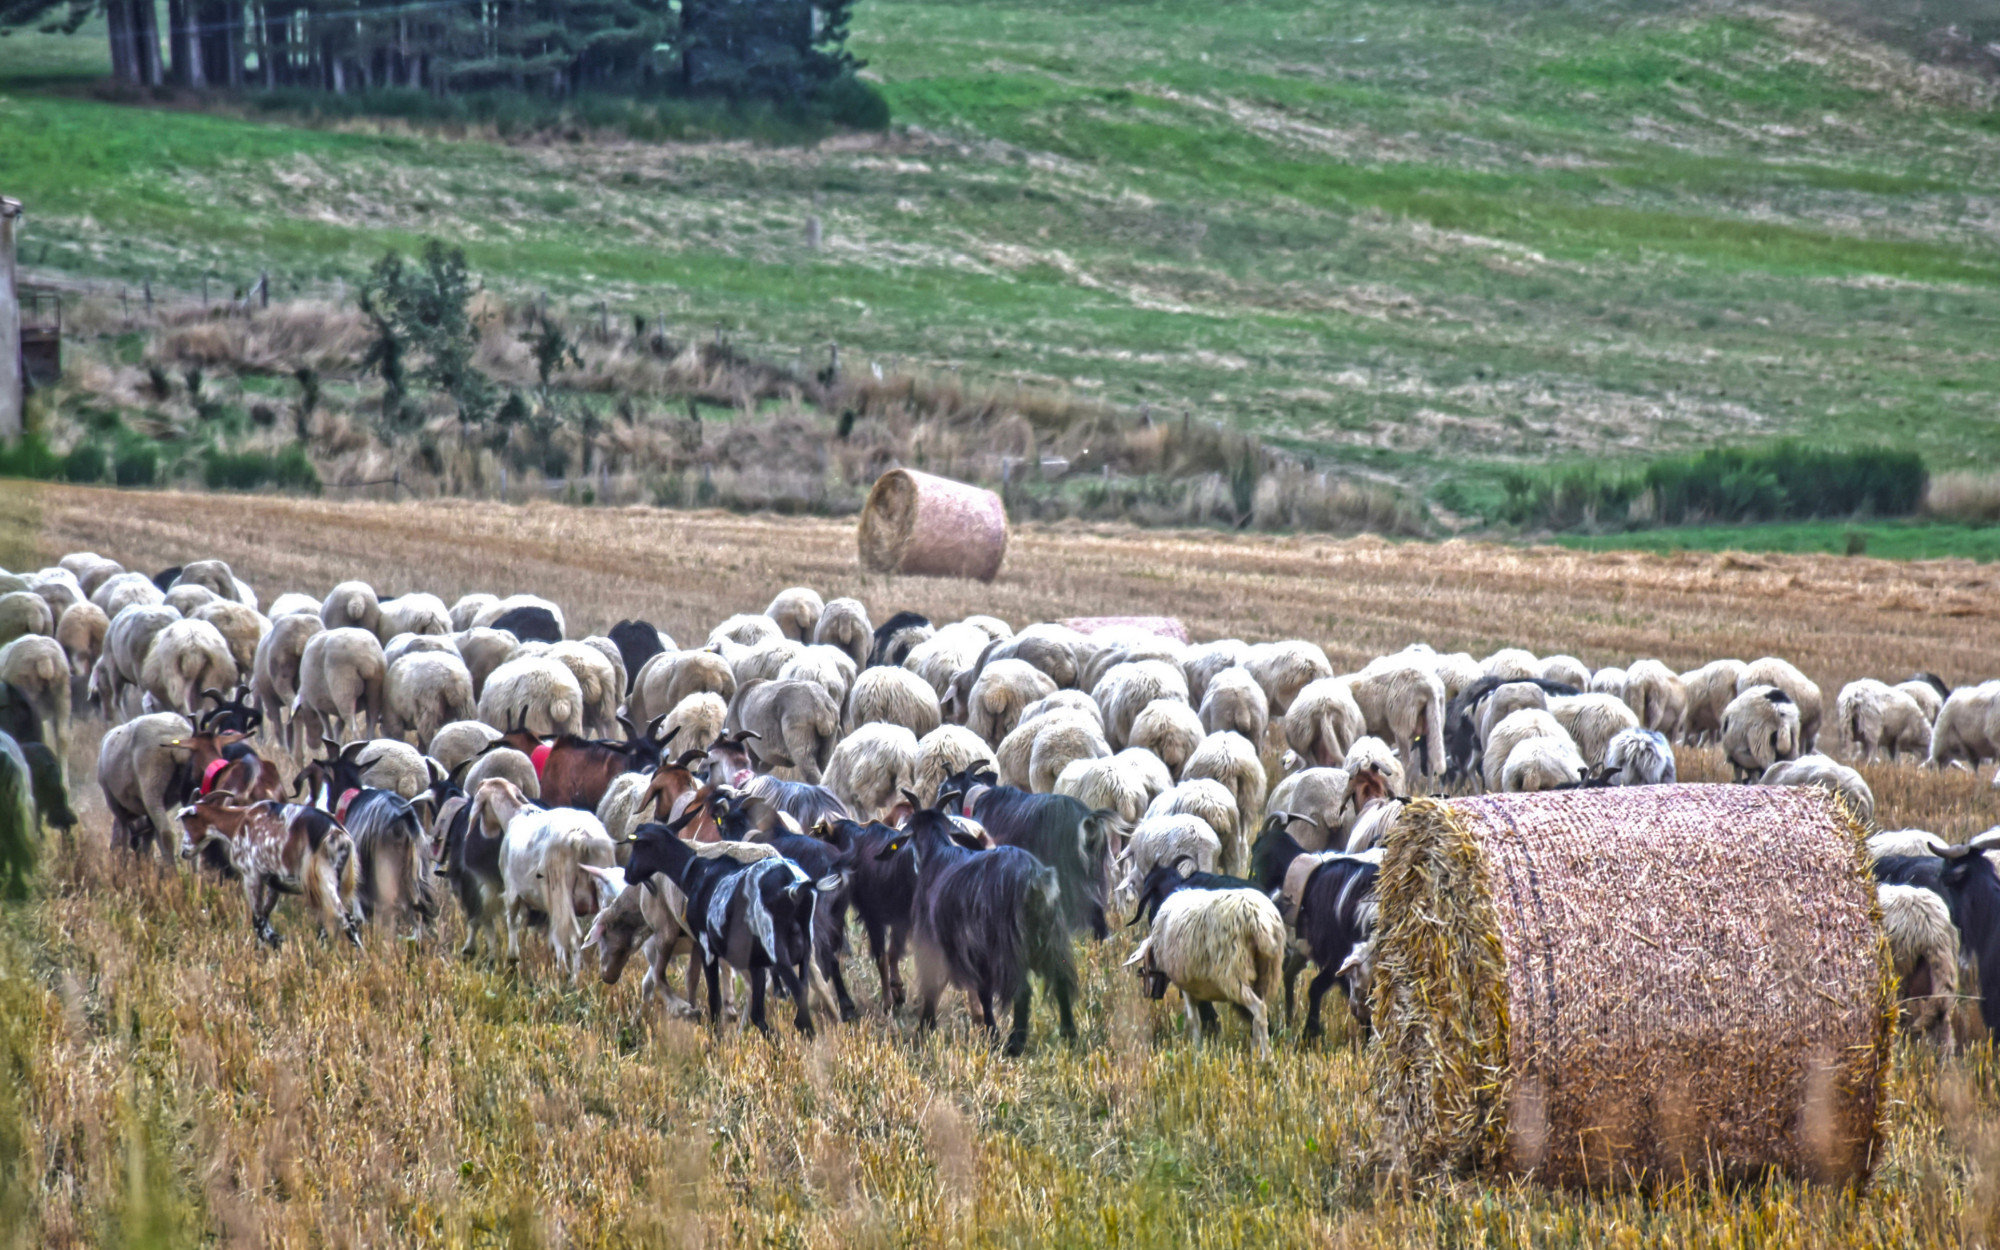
(1334, 918)
(578, 771)
(988, 920)
(1057, 830)
(46, 779)
(1461, 732)
(890, 646)
(824, 863)
(637, 642)
(391, 851)
(1167, 879)
(1967, 882)
(883, 892)
(530, 624)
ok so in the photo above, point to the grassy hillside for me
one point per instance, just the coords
(1412, 240)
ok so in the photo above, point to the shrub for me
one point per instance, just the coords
(254, 470)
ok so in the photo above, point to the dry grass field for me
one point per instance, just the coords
(166, 1082)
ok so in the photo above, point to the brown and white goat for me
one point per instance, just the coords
(279, 848)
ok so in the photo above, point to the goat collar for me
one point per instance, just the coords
(340, 808)
(208, 775)
(540, 756)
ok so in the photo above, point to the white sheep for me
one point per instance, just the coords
(58, 588)
(1503, 701)
(1544, 763)
(797, 611)
(467, 608)
(186, 658)
(509, 765)
(623, 807)
(1917, 923)
(1231, 759)
(80, 630)
(23, 612)
(1828, 774)
(1150, 770)
(1035, 754)
(831, 667)
(947, 653)
(90, 569)
(844, 624)
(1048, 647)
(1873, 716)
(1709, 690)
(241, 627)
(1967, 729)
(212, 575)
(1510, 664)
(536, 692)
(1234, 701)
(423, 691)
(761, 661)
(185, 599)
(1376, 817)
(1099, 653)
(1607, 680)
(1759, 727)
(945, 752)
(1106, 784)
(1657, 696)
(1285, 668)
(1566, 669)
(1370, 754)
(1517, 728)
(462, 740)
(122, 590)
(671, 676)
(1167, 839)
(1402, 700)
(342, 675)
(1639, 757)
(1125, 689)
(1316, 799)
(410, 644)
(1002, 689)
(291, 603)
(1201, 662)
(1592, 721)
(1456, 669)
(893, 695)
(39, 668)
(274, 671)
(1217, 946)
(127, 640)
(395, 766)
(1323, 722)
(484, 649)
(1925, 695)
(597, 679)
(871, 767)
(1771, 671)
(1169, 729)
(417, 613)
(352, 605)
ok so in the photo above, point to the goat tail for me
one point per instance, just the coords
(1044, 931)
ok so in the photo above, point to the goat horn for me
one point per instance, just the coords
(745, 735)
(626, 725)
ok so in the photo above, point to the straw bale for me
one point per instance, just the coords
(1159, 626)
(1652, 981)
(932, 526)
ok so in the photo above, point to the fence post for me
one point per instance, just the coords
(264, 289)
(149, 297)
(12, 368)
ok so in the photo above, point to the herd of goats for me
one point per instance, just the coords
(978, 796)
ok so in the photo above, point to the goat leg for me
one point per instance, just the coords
(1017, 1037)
(757, 1020)
(789, 979)
(1321, 982)
(711, 969)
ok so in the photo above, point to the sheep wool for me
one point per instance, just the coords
(1218, 946)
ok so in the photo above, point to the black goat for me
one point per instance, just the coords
(828, 865)
(757, 916)
(637, 642)
(1056, 829)
(804, 803)
(1934, 681)
(895, 638)
(229, 715)
(530, 624)
(51, 795)
(1336, 916)
(18, 718)
(392, 853)
(883, 892)
(1970, 887)
(1461, 730)
(165, 578)
(985, 921)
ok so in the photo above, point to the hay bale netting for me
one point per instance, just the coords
(1160, 626)
(1588, 985)
(916, 523)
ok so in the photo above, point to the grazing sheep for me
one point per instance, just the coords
(761, 662)
(185, 599)
(871, 768)
(672, 676)
(1172, 839)
(1402, 700)
(186, 658)
(1312, 801)
(1639, 757)
(1208, 799)
(1106, 784)
(1903, 842)
(38, 668)
(1052, 649)
(1232, 760)
(1967, 728)
(23, 612)
(412, 614)
(746, 629)
(122, 590)
(1565, 669)
(58, 588)
(1370, 756)
(947, 653)
(1759, 727)
(1217, 946)
(796, 724)
(137, 764)
(1517, 728)
(351, 605)
(460, 742)
(90, 570)
(1592, 721)
(1235, 702)
(1003, 688)
(599, 681)
(797, 612)
(844, 624)
(411, 644)
(341, 685)
(1504, 700)
(1285, 668)
(484, 650)
(388, 764)
(1148, 769)
(1926, 689)
(81, 630)
(1872, 716)
(1511, 664)
(945, 752)
(696, 720)
(1544, 763)
(1828, 774)
(894, 695)
(1607, 680)
(536, 693)
(423, 692)
(1169, 729)
(1034, 755)
(274, 671)
(1771, 671)
(1323, 722)
(1656, 695)
(467, 609)
(1202, 662)
(242, 628)
(1924, 944)
(831, 667)
(293, 602)
(1709, 690)
(527, 617)
(1376, 817)
(1125, 690)
(506, 763)
(625, 807)
(1099, 653)
(212, 575)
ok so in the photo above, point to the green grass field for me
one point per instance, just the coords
(1890, 540)
(1412, 241)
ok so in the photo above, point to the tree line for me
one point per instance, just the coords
(780, 49)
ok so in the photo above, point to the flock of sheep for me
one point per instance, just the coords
(984, 792)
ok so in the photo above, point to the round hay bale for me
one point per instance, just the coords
(1591, 985)
(932, 526)
(1161, 626)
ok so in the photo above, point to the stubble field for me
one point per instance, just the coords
(169, 1082)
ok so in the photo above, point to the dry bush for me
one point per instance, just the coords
(277, 339)
(1964, 496)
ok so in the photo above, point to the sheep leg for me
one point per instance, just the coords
(1321, 982)
(1017, 1038)
(1192, 1019)
(1260, 1025)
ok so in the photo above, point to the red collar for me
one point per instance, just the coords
(208, 774)
(540, 757)
(340, 808)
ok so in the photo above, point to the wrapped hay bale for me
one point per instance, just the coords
(916, 523)
(1584, 986)
(1161, 626)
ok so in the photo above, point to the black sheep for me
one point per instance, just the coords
(986, 920)
(895, 638)
(530, 624)
(637, 642)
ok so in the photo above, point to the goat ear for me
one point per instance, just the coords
(829, 883)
